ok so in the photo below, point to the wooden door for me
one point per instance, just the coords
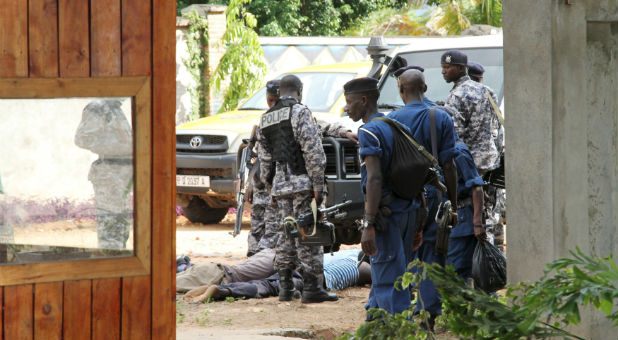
(96, 39)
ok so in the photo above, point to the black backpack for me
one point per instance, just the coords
(412, 167)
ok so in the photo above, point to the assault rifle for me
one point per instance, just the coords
(320, 233)
(243, 180)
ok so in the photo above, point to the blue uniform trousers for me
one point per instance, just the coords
(431, 300)
(462, 243)
(394, 250)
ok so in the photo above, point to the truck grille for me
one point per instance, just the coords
(349, 154)
(201, 144)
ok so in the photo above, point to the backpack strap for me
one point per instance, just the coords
(434, 140)
(403, 131)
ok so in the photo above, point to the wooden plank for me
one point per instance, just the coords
(77, 87)
(48, 310)
(72, 270)
(136, 38)
(14, 38)
(18, 316)
(164, 170)
(136, 307)
(106, 309)
(43, 38)
(105, 33)
(77, 311)
(1, 309)
(136, 60)
(74, 41)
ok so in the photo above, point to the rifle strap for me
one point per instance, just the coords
(434, 140)
(495, 107)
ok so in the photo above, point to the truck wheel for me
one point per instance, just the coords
(199, 212)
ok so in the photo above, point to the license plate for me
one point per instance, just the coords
(192, 181)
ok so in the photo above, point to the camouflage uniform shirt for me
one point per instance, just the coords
(307, 134)
(475, 121)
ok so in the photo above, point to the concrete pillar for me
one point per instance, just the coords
(561, 76)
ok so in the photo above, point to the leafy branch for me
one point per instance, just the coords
(197, 39)
(538, 310)
(243, 61)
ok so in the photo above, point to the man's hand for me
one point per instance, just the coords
(352, 136)
(368, 243)
(454, 218)
(479, 232)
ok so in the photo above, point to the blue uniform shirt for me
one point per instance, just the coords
(415, 116)
(467, 178)
(376, 139)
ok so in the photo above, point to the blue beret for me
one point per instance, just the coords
(358, 85)
(475, 69)
(401, 70)
(454, 57)
(272, 87)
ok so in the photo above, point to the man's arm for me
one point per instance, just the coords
(450, 177)
(460, 119)
(309, 137)
(477, 219)
(372, 201)
(336, 130)
(264, 156)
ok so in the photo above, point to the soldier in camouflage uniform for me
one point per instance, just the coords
(475, 121)
(292, 163)
(495, 204)
(263, 232)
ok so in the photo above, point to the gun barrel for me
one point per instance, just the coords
(335, 207)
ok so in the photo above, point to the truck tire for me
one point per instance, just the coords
(199, 212)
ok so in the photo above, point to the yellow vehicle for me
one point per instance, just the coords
(207, 149)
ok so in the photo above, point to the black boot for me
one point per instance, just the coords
(313, 290)
(287, 292)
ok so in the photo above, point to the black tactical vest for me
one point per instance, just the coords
(276, 125)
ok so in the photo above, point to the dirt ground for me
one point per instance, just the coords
(255, 318)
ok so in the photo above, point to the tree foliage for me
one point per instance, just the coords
(243, 63)
(197, 38)
(307, 17)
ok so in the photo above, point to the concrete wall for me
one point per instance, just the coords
(561, 73)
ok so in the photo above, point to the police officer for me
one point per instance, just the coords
(476, 71)
(263, 233)
(496, 198)
(475, 122)
(386, 239)
(469, 213)
(292, 162)
(416, 116)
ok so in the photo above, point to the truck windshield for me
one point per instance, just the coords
(320, 91)
(437, 88)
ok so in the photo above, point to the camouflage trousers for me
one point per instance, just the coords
(263, 233)
(495, 208)
(289, 253)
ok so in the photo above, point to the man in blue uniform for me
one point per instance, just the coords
(469, 213)
(416, 116)
(386, 239)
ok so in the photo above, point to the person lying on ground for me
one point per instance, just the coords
(341, 270)
(256, 267)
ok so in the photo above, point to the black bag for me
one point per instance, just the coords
(488, 267)
(412, 167)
